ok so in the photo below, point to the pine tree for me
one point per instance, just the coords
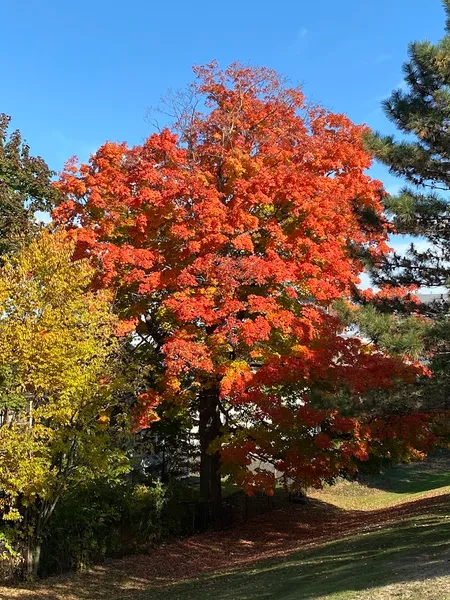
(421, 113)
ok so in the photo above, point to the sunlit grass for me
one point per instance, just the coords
(397, 485)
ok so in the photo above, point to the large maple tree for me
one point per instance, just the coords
(227, 239)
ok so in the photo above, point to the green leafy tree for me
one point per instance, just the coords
(25, 187)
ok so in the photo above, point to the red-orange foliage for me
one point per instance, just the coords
(235, 234)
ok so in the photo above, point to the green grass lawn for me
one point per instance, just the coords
(403, 483)
(406, 556)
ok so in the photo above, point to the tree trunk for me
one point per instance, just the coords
(29, 559)
(209, 431)
(36, 558)
(32, 557)
(35, 520)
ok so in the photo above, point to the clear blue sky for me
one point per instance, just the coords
(77, 73)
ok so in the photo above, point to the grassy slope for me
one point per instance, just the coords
(404, 483)
(388, 563)
(407, 558)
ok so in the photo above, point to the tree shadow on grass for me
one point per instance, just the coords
(413, 551)
(411, 543)
(432, 473)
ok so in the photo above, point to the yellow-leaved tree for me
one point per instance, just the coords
(58, 352)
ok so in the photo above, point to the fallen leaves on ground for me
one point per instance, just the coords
(275, 534)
